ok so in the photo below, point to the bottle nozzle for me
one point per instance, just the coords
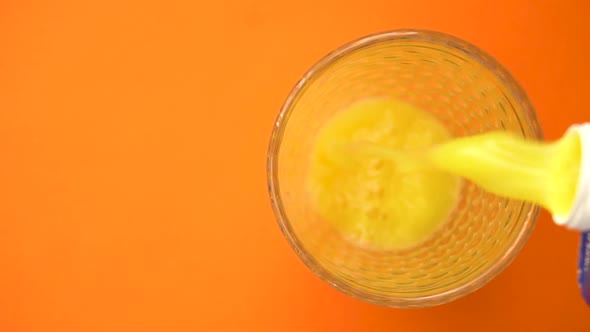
(578, 217)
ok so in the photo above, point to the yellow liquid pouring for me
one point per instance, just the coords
(509, 166)
(387, 175)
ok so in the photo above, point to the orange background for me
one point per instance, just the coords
(133, 138)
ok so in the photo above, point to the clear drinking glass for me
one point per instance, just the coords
(465, 89)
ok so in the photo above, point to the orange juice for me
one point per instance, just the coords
(364, 184)
(507, 165)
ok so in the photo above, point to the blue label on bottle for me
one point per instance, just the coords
(584, 267)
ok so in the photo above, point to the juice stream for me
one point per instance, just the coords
(386, 174)
(509, 166)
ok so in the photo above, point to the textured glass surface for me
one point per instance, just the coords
(466, 90)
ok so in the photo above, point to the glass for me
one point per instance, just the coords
(465, 89)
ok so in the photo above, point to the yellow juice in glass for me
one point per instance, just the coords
(386, 175)
(373, 198)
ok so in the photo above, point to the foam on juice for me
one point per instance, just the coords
(365, 180)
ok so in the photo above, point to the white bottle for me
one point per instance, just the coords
(579, 216)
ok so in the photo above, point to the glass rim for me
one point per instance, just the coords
(443, 39)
